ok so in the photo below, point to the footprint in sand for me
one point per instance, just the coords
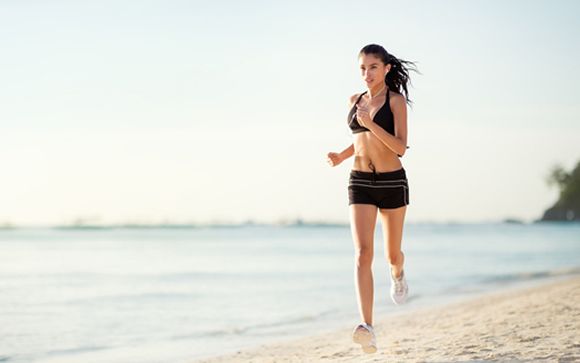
(529, 339)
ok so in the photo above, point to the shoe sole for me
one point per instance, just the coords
(363, 337)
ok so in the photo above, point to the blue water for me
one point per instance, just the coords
(177, 295)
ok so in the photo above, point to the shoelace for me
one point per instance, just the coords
(399, 286)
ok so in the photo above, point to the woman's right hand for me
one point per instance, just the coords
(334, 159)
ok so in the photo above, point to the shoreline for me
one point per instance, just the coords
(519, 323)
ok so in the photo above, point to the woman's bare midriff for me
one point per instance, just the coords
(368, 149)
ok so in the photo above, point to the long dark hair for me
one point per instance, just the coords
(398, 76)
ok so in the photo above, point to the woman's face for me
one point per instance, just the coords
(373, 70)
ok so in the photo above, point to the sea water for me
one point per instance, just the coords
(175, 295)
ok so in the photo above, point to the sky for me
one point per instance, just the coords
(224, 111)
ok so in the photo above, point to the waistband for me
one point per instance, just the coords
(395, 174)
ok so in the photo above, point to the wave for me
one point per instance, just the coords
(241, 330)
(478, 283)
(133, 298)
(77, 350)
(528, 276)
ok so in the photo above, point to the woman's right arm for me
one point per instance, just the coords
(336, 158)
(347, 153)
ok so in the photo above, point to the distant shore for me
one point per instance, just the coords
(294, 223)
(525, 324)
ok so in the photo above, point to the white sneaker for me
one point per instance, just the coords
(364, 335)
(399, 288)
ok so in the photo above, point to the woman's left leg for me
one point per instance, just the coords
(392, 221)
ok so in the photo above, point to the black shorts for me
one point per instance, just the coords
(385, 190)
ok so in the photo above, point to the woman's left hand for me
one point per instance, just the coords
(363, 116)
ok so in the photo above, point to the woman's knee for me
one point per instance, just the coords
(364, 257)
(396, 259)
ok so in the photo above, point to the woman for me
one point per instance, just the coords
(377, 182)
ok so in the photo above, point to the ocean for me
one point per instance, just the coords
(174, 295)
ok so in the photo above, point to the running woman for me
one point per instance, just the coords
(377, 181)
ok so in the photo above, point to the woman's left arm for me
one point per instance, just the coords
(396, 143)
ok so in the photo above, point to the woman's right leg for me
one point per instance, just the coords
(363, 219)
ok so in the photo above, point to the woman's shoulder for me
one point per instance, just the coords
(396, 98)
(352, 99)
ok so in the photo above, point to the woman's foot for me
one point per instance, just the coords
(399, 288)
(364, 335)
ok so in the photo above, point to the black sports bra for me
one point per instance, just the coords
(384, 118)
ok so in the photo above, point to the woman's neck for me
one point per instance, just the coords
(376, 90)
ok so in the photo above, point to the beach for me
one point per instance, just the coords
(538, 323)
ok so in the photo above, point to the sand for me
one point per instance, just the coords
(532, 324)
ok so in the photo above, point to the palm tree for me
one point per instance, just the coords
(568, 205)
